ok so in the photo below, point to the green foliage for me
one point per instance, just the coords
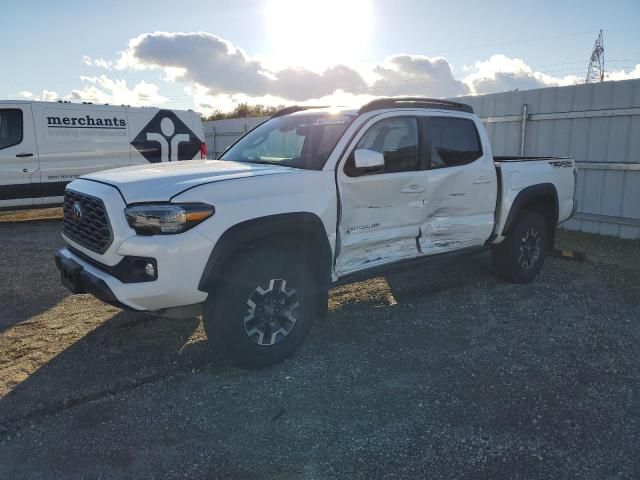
(243, 110)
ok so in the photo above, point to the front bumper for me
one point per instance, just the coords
(79, 280)
(180, 261)
(117, 275)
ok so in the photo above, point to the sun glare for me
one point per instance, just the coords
(318, 33)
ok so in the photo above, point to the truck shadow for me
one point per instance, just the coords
(415, 284)
(452, 273)
(28, 270)
(122, 353)
(458, 356)
(129, 350)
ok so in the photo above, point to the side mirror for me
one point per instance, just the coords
(368, 158)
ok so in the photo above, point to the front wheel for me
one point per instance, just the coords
(520, 256)
(265, 308)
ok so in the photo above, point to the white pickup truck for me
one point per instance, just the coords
(310, 198)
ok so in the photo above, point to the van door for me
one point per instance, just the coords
(18, 157)
(76, 139)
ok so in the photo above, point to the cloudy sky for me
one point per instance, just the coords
(212, 54)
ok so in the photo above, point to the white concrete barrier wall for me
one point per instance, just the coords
(598, 125)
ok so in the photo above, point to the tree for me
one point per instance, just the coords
(242, 110)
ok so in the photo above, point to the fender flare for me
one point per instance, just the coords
(528, 195)
(252, 232)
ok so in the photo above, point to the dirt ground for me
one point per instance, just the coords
(444, 372)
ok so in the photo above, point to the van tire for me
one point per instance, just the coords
(264, 310)
(520, 256)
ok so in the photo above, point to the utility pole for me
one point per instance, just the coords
(595, 73)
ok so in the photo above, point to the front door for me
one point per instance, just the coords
(19, 174)
(381, 210)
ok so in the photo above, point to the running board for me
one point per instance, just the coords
(407, 264)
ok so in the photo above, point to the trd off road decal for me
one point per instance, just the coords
(561, 163)
(166, 138)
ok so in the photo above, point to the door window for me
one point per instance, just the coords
(452, 141)
(396, 139)
(10, 127)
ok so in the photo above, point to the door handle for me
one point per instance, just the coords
(481, 180)
(413, 189)
(22, 155)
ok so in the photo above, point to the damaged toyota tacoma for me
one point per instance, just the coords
(311, 198)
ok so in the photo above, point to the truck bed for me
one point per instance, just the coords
(515, 174)
(526, 159)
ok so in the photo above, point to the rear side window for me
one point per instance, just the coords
(397, 139)
(10, 127)
(452, 141)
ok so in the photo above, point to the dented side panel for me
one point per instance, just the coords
(379, 223)
(395, 216)
(459, 206)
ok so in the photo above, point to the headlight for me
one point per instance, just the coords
(166, 218)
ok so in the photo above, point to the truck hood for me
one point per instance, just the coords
(162, 181)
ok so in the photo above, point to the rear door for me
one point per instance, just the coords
(462, 186)
(18, 157)
(381, 211)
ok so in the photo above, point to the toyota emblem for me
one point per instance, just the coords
(77, 212)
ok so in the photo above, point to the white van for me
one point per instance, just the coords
(45, 145)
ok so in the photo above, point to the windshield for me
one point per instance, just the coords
(300, 141)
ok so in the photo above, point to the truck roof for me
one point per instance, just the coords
(319, 110)
(379, 104)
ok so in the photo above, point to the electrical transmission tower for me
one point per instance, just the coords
(595, 73)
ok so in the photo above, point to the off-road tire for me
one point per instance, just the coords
(520, 256)
(254, 278)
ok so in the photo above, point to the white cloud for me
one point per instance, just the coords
(214, 63)
(102, 89)
(622, 75)
(206, 103)
(502, 74)
(417, 75)
(211, 62)
(97, 62)
(45, 95)
(217, 67)
(218, 75)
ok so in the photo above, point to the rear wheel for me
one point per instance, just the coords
(265, 309)
(520, 256)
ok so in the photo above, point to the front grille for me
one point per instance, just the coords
(90, 228)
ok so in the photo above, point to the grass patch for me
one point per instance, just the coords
(31, 215)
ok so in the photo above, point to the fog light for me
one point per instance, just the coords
(150, 270)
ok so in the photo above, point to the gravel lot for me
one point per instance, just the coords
(438, 373)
